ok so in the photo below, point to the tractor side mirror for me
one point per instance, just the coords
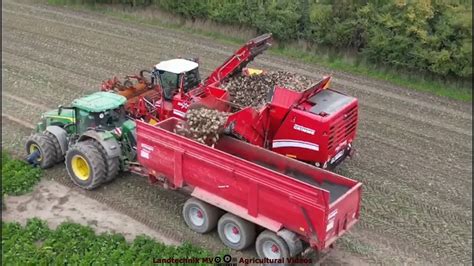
(60, 109)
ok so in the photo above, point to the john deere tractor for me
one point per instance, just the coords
(93, 136)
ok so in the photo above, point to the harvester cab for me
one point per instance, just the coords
(94, 136)
(176, 76)
(175, 85)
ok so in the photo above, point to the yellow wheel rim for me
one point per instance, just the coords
(33, 148)
(80, 167)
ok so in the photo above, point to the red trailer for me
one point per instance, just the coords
(251, 194)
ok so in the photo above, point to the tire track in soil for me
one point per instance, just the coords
(125, 45)
(308, 73)
(389, 115)
(455, 193)
(386, 90)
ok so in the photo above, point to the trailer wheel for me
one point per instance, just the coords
(271, 246)
(41, 146)
(85, 165)
(236, 232)
(201, 217)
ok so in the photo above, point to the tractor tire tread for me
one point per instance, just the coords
(94, 156)
(48, 151)
(112, 165)
(57, 147)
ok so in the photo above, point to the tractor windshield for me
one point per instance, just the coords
(169, 83)
(106, 120)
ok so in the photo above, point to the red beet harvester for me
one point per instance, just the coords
(317, 126)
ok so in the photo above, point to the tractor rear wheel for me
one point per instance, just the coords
(86, 165)
(112, 165)
(43, 144)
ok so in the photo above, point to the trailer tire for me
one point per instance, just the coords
(270, 245)
(44, 144)
(86, 165)
(235, 232)
(200, 216)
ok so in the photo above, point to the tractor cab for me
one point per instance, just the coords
(100, 111)
(176, 75)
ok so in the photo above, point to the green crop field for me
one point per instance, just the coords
(17, 176)
(74, 244)
(70, 243)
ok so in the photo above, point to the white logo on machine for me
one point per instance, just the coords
(286, 143)
(183, 105)
(304, 129)
(179, 113)
(145, 152)
(118, 131)
(331, 218)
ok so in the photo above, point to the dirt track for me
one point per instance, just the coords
(414, 150)
(55, 203)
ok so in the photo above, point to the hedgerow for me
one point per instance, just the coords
(74, 244)
(432, 37)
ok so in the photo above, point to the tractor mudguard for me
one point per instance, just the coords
(61, 136)
(110, 144)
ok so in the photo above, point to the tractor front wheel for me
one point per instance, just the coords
(85, 165)
(57, 147)
(41, 150)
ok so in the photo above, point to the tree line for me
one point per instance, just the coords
(428, 36)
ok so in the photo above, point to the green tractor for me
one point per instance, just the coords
(94, 137)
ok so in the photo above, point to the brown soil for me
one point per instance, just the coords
(414, 150)
(55, 203)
